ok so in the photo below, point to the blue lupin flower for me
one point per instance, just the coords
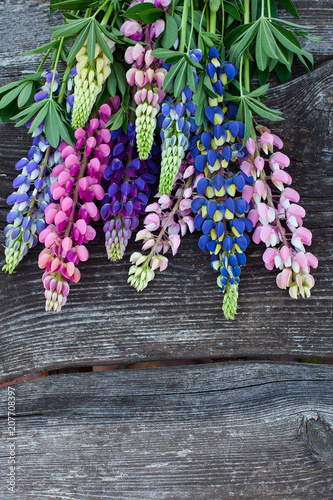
(221, 211)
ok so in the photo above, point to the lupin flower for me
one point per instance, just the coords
(89, 80)
(170, 216)
(220, 207)
(127, 191)
(177, 122)
(26, 218)
(285, 250)
(147, 74)
(78, 183)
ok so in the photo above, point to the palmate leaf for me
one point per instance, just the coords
(104, 46)
(243, 42)
(120, 73)
(25, 94)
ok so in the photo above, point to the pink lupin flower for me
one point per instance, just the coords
(285, 252)
(78, 183)
(171, 216)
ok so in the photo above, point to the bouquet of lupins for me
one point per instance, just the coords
(144, 114)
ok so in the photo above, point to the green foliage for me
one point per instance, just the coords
(144, 12)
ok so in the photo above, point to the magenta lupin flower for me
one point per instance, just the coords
(77, 185)
(278, 218)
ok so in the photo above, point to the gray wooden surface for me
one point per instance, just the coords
(233, 430)
(179, 314)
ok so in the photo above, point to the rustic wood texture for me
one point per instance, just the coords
(179, 314)
(234, 430)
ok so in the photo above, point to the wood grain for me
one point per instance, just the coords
(179, 314)
(233, 430)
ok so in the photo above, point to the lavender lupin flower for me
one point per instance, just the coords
(26, 218)
(127, 191)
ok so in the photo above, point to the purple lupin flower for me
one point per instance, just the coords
(127, 191)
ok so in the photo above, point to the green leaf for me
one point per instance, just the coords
(77, 44)
(239, 47)
(190, 79)
(51, 128)
(170, 33)
(10, 86)
(235, 34)
(25, 94)
(267, 40)
(259, 91)
(209, 87)
(91, 42)
(303, 34)
(206, 40)
(40, 116)
(290, 42)
(111, 84)
(31, 110)
(180, 80)
(33, 77)
(263, 76)
(116, 120)
(165, 53)
(232, 10)
(293, 25)
(171, 74)
(263, 111)
(289, 6)
(66, 132)
(121, 76)
(104, 46)
(114, 38)
(42, 48)
(71, 28)
(8, 112)
(11, 95)
(144, 12)
(284, 75)
(261, 55)
(191, 62)
(73, 4)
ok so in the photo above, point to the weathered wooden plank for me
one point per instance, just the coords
(242, 430)
(179, 315)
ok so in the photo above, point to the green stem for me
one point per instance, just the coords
(192, 25)
(262, 8)
(222, 29)
(44, 59)
(202, 15)
(269, 8)
(100, 8)
(56, 64)
(212, 22)
(246, 59)
(183, 27)
(107, 15)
